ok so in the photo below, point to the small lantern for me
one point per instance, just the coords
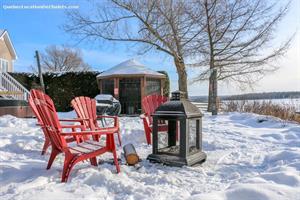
(182, 145)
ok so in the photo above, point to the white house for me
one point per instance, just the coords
(7, 52)
(9, 87)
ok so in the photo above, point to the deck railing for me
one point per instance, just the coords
(11, 88)
(203, 106)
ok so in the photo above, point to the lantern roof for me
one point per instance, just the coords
(178, 106)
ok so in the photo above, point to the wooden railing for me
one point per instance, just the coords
(11, 88)
(203, 106)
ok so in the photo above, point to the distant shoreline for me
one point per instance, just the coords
(252, 96)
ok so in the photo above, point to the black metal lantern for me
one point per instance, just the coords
(183, 145)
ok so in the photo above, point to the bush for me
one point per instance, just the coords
(285, 112)
(62, 87)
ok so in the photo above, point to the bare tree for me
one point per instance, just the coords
(62, 58)
(237, 40)
(167, 26)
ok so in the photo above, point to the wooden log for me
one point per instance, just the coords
(130, 154)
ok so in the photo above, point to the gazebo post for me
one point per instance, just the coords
(143, 89)
(162, 87)
(100, 85)
(116, 88)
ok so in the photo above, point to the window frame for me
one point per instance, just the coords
(2, 66)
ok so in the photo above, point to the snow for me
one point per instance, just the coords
(130, 67)
(249, 157)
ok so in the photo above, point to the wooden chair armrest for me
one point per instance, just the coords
(143, 116)
(74, 120)
(106, 116)
(116, 119)
(85, 133)
(73, 126)
(108, 129)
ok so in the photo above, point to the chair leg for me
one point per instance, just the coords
(46, 145)
(147, 131)
(116, 160)
(93, 161)
(68, 165)
(53, 155)
(119, 138)
(110, 143)
(148, 136)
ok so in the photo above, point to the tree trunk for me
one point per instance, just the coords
(213, 89)
(213, 93)
(182, 76)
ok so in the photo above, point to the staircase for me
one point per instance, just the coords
(10, 88)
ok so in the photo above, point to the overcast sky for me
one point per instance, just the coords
(34, 29)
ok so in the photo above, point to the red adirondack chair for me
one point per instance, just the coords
(88, 149)
(149, 104)
(85, 107)
(47, 142)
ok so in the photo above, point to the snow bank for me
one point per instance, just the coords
(248, 158)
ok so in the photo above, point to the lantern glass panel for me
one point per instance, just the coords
(192, 135)
(162, 141)
(167, 143)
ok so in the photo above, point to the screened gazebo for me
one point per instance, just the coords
(129, 82)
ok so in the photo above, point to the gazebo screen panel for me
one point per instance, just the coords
(130, 95)
(153, 86)
(108, 86)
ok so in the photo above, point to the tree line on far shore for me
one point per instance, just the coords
(254, 96)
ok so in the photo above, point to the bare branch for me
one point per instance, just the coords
(61, 59)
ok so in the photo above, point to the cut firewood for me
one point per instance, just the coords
(130, 154)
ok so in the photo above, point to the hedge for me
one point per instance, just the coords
(63, 87)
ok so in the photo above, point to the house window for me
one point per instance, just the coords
(3, 65)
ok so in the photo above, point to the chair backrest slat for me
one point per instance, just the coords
(47, 112)
(34, 109)
(151, 102)
(85, 107)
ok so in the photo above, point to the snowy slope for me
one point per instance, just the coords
(247, 160)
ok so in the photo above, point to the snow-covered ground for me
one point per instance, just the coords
(248, 159)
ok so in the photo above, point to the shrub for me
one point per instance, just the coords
(285, 112)
(62, 87)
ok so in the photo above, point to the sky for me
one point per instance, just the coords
(35, 29)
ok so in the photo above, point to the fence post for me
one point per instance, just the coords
(37, 56)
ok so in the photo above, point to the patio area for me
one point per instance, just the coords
(246, 159)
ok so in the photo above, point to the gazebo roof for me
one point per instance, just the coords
(130, 68)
